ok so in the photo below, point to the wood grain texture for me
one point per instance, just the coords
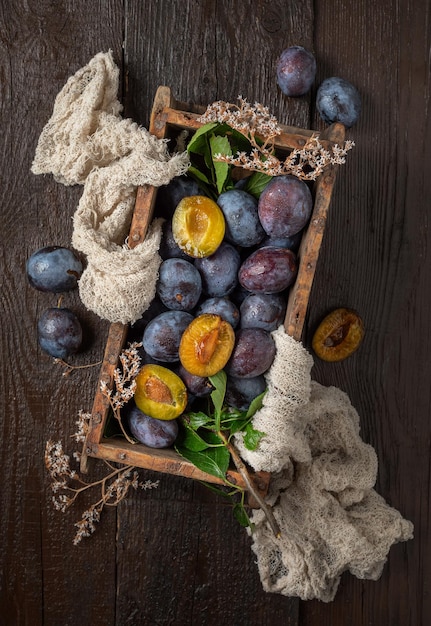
(174, 555)
(375, 260)
(43, 576)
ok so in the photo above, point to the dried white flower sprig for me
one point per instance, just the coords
(261, 129)
(125, 384)
(66, 483)
(249, 120)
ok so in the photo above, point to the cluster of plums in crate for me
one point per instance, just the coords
(227, 266)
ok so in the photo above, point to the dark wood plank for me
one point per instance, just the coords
(214, 50)
(374, 259)
(194, 563)
(45, 579)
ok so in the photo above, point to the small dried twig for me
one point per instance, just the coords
(71, 368)
(261, 128)
(67, 485)
(251, 488)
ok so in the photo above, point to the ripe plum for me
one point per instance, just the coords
(296, 71)
(179, 285)
(219, 271)
(241, 391)
(199, 386)
(54, 269)
(59, 332)
(337, 100)
(220, 306)
(206, 345)
(253, 353)
(160, 392)
(243, 227)
(150, 431)
(261, 310)
(198, 226)
(285, 206)
(268, 270)
(162, 336)
(292, 242)
(338, 335)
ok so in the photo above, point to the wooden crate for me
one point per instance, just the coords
(167, 117)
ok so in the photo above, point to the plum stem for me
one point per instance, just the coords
(251, 487)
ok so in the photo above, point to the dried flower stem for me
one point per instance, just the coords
(113, 487)
(261, 129)
(125, 384)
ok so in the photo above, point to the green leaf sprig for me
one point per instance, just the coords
(212, 175)
(206, 441)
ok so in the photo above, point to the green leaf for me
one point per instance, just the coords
(192, 440)
(218, 381)
(214, 461)
(236, 420)
(238, 424)
(219, 144)
(196, 420)
(197, 174)
(238, 141)
(255, 404)
(252, 437)
(256, 183)
(241, 516)
(199, 142)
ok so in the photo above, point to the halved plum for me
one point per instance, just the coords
(198, 226)
(338, 335)
(160, 393)
(206, 345)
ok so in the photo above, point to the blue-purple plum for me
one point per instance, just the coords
(261, 310)
(59, 332)
(268, 270)
(337, 100)
(54, 268)
(243, 227)
(198, 386)
(179, 285)
(168, 246)
(296, 71)
(285, 206)
(219, 272)
(162, 336)
(150, 431)
(253, 353)
(241, 391)
(220, 306)
(292, 243)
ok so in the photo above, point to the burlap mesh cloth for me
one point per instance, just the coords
(331, 518)
(87, 142)
(322, 493)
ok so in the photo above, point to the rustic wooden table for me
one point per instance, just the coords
(175, 555)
